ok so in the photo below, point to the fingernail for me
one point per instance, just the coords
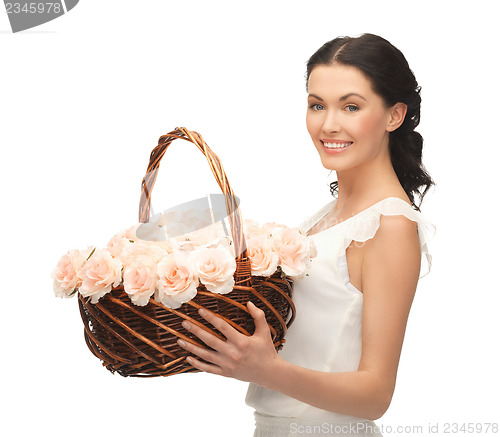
(181, 343)
(202, 312)
(186, 325)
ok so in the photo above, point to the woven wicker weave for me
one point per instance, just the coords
(141, 341)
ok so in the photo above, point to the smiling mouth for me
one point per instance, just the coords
(336, 145)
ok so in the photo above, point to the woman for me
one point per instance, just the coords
(337, 370)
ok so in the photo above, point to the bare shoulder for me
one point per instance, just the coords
(394, 247)
(395, 234)
(395, 244)
(395, 227)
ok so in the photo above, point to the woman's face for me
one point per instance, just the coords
(343, 111)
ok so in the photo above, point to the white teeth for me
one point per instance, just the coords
(336, 145)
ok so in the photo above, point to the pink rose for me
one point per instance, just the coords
(177, 281)
(130, 233)
(139, 279)
(264, 261)
(201, 237)
(215, 268)
(141, 247)
(251, 228)
(273, 227)
(117, 243)
(153, 230)
(313, 251)
(293, 249)
(168, 245)
(99, 274)
(65, 275)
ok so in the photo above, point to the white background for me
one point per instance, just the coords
(83, 101)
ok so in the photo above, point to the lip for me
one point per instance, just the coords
(335, 151)
(333, 140)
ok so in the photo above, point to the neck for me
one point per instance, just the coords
(359, 187)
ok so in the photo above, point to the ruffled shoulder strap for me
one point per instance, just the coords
(364, 225)
(309, 222)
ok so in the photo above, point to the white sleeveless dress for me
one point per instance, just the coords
(331, 342)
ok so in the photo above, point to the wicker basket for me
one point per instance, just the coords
(142, 341)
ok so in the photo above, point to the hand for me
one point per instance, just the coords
(247, 358)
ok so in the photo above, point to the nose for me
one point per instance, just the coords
(330, 123)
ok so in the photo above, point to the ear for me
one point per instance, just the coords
(396, 116)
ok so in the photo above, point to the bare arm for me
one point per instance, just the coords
(391, 266)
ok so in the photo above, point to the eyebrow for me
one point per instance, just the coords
(341, 99)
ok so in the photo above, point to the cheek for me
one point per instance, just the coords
(312, 124)
(369, 125)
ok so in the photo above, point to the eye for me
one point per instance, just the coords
(351, 108)
(314, 106)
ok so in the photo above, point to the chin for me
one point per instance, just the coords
(332, 164)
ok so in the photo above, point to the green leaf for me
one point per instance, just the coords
(73, 292)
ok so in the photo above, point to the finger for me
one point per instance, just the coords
(225, 328)
(261, 326)
(206, 354)
(207, 338)
(204, 366)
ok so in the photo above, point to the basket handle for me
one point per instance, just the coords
(234, 214)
